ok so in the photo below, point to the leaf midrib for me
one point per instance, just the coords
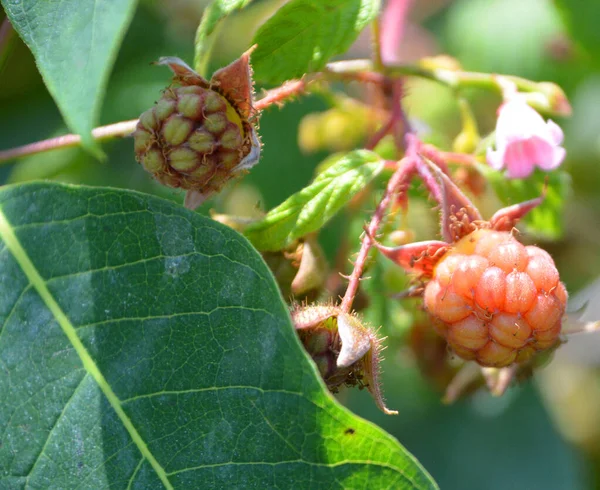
(37, 281)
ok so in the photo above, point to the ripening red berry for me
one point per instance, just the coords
(495, 300)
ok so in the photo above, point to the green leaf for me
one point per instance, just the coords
(144, 346)
(544, 221)
(207, 30)
(311, 208)
(304, 34)
(581, 20)
(74, 43)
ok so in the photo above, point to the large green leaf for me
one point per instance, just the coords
(206, 33)
(144, 346)
(74, 43)
(311, 208)
(304, 34)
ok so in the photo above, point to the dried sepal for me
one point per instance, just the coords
(418, 257)
(372, 370)
(458, 214)
(505, 219)
(346, 352)
(235, 82)
(356, 340)
(184, 74)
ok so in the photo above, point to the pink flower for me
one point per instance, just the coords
(524, 140)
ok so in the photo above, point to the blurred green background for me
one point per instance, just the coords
(544, 434)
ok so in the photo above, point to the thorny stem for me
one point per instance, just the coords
(393, 187)
(381, 133)
(442, 158)
(397, 124)
(102, 133)
(284, 92)
(402, 126)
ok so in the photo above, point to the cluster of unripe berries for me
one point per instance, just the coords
(495, 300)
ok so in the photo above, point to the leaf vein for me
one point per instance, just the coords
(12, 242)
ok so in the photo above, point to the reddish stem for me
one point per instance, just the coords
(395, 185)
(401, 124)
(279, 94)
(381, 133)
(442, 158)
(102, 133)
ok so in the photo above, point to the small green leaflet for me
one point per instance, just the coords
(74, 43)
(143, 346)
(208, 30)
(545, 221)
(304, 34)
(311, 208)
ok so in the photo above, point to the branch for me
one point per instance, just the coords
(543, 96)
(394, 186)
(286, 91)
(102, 133)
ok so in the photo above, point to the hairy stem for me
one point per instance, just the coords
(102, 133)
(443, 158)
(280, 94)
(395, 185)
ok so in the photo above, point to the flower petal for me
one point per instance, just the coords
(495, 159)
(556, 158)
(556, 133)
(519, 159)
(518, 121)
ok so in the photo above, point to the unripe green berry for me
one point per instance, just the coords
(153, 160)
(183, 159)
(190, 89)
(202, 141)
(213, 102)
(204, 170)
(143, 140)
(176, 129)
(229, 159)
(149, 121)
(169, 180)
(164, 108)
(231, 137)
(190, 105)
(215, 123)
